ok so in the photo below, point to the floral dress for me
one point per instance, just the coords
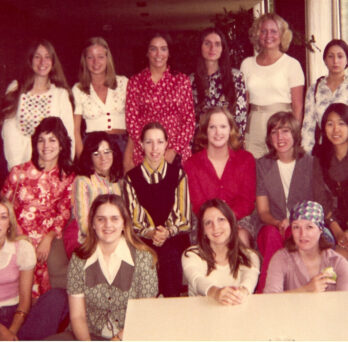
(42, 204)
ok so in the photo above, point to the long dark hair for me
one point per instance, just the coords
(236, 254)
(26, 79)
(85, 164)
(201, 80)
(90, 244)
(326, 150)
(336, 42)
(55, 126)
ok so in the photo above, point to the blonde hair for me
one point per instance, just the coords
(202, 137)
(285, 32)
(85, 76)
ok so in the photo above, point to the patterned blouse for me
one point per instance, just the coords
(315, 106)
(179, 218)
(169, 102)
(106, 301)
(215, 97)
(42, 204)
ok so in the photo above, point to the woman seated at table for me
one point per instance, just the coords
(99, 169)
(222, 169)
(17, 262)
(159, 203)
(307, 263)
(220, 266)
(284, 178)
(111, 266)
(40, 191)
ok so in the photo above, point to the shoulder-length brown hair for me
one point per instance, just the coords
(201, 139)
(26, 80)
(285, 32)
(85, 76)
(90, 244)
(280, 120)
(236, 254)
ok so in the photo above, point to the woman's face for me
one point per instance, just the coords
(282, 140)
(154, 146)
(336, 130)
(48, 149)
(4, 223)
(216, 227)
(211, 47)
(96, 60)
(42, 62)
(306, 235)
(218, 130)
(336, 60)
(102, 159)
(158, 53)
(269, 37)
(108, 224)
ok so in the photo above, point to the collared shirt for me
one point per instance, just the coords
(179, 218)
(315, 106)
(169, 102)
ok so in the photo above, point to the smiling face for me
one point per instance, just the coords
(42, 62)
(336, 130)
(269, 37)
(336, 60)
(306, 235)
(216, 227)
(4, 223)
(48, 149)
(96, 60)
(218, 131)
(282, 140)
(102, 159)
(154, 145)
(158, 53)
(108, 224)
(211, 47)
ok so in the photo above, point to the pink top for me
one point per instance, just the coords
(169, 102)
(287, 271)
(237, 185)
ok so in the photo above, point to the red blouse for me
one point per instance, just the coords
(237, 185)
(168, 102)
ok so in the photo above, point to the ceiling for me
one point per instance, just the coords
(111, 15)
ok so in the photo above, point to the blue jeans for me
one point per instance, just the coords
(44, 317)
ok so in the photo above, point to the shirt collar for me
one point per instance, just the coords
(151, 175)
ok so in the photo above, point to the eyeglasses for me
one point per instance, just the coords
(107, 152)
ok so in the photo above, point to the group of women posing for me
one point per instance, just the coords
(131, 229)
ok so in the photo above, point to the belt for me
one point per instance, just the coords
(269, 108)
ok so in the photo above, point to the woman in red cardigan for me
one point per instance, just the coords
(221, 169)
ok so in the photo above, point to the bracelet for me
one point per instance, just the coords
(21, 313)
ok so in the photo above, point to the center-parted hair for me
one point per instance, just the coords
(201, 139)
(281, 120)
(236, 254)
(90, 244)
(55, 126)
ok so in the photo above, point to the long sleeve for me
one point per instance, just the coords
(276, 273)
(309, 122)
(241, 101)
(179, 219)
(249, 276)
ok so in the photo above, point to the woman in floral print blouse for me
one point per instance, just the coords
(215, 83)
(159, 94)
(40, 191)
(40, 92)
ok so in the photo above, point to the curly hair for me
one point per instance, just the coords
(90, 244)
(85, 165)
(285, 32)
(25, 81)
(236, 254)
(201, 139)
(201, 79)
(55, 126)
(280, 120)
(85, 78)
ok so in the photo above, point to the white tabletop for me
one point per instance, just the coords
(307, 316)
